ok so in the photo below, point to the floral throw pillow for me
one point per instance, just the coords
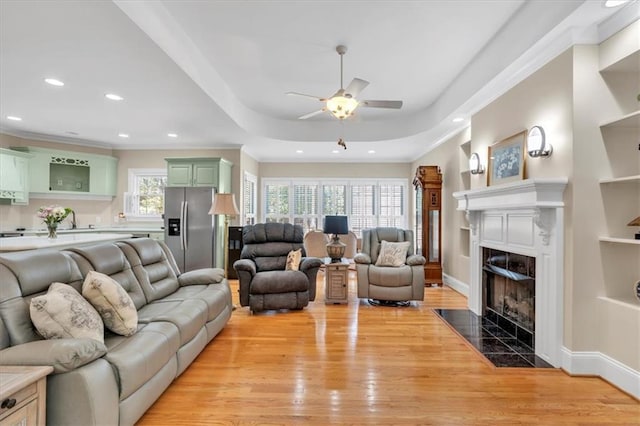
(393, 254)
(112, 303)
(293, 260)
(63, 313)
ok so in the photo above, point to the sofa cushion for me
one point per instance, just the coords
(151, 267)
(393, 254)
(112, 303)
(216, 296)
(62, 354)
(188, 315)
(63, 313)
(270, 282)
(390, 277)
(136, 359)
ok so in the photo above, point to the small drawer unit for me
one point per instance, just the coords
(336, 277)
(23, 393)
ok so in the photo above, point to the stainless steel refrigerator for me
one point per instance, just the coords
(190, 231)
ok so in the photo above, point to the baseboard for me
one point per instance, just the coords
(599, 364)
(457, 285)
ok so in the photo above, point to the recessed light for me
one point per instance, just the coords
(299, 151)
(458, 119)
(123, 135)
(172, 135)
(335, 151)
(14, 118)
(615, 3)
(371, 151)
(113, 97)
(54, 81)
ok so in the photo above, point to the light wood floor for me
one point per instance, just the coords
(357, 364)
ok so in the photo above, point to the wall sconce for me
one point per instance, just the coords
(536, 143)
(475, 167)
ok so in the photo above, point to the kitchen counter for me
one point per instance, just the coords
(63, 241)
(109, 229)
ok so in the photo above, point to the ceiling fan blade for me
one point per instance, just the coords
(381, 104)
(311, 114)
(307, 96)
(356, 86)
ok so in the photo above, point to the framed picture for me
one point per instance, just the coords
(506, 160)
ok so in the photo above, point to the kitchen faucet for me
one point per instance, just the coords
(73, 219)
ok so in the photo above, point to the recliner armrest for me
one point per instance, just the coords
(415, 260)
(362, 258)
(201, 276)
(62, 354)
(245, 265)
(308, 263)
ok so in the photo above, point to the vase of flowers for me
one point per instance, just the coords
(52, 216)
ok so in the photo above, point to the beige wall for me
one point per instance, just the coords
(455, 241)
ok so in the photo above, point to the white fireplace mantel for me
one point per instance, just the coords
(525, 217)
(536, 193)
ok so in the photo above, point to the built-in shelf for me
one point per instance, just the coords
(621, 179)
(626, 302)
(464, 256)
(466, 145)
(465, 172)
(619, 240)
(465, 228)
(630, 120)
(630, 63)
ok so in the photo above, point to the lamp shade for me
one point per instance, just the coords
(537, 145)
(475, 167)
(338, 225)
(224, 204)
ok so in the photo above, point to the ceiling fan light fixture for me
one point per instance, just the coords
(342, 107)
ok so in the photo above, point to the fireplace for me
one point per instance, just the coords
(522, 221)
(509, 289)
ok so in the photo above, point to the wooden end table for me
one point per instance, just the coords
(23, 395)
(336, 279)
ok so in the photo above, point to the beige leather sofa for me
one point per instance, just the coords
(115, 382)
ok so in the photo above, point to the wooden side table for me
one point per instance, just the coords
(336, 279)
(23, 395)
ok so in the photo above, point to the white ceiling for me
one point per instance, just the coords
(216, 72)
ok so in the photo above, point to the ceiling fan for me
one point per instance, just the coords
(343, 103)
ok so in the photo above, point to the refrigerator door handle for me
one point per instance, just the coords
(182, 226)
(186, 225)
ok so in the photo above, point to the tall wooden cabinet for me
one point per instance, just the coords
(428, 185)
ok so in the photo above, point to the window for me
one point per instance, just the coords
(249, 198)
(145, 199)
(276, 196)
(368, 203)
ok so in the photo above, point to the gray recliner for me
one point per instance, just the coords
(264, 282)
(386, 283)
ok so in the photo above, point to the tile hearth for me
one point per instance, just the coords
(498, 346)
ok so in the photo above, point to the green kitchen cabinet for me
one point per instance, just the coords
(69, 174)
(215, 172)
(14, 176)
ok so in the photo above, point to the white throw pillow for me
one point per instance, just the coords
(293, 260)
(112, 302)
(393, 254)
(63, 313)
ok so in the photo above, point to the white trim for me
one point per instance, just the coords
(599, 364)
(69, 196)
(457, 285)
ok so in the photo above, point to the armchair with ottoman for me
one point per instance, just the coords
(388, 271)
(113, 377)
(267, 280)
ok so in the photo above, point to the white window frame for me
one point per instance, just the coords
(403, 223)
(249, 214)
(129, 201)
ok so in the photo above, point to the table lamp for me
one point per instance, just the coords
(336, 225)
(224, 204)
